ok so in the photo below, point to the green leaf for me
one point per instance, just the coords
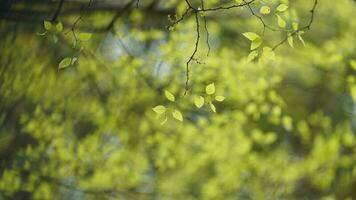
(282, 7)
(199, 101)
(169, 95)
(268, 53)
(47, 25)
(295, 26)
(59, 27)
(164, 121)
(290, 40)
(84, 36)
(219, 98)
(252, 55)
(251, 36)
(353, 64)
(159, 109)
(265, 10)
(210, 89)
(74, 59)
(256, 43)
(301, 39)
(212, 107)
(281, 22)
(65, 63)
(177, 115)
(287, 123)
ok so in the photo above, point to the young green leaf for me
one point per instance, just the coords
(353, 64)
(164, 121)
(177, 115)
(265, 10)
(268, 53)
(251, 36)
(84, 36)
(169, 96)
(59, 27)
(47, 25)
(74, 59)
(252, 55)
(210, 89)
(281, 22)
(295, 26)
(199, 101)
(219, 98)
(256, 43)
(301, 39)
(65, 63)
(290, 40)
(159, 109)
(282, 7)
(212, 107)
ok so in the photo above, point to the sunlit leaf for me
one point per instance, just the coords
(212, 107)
(160, 109)
(282, 7)
(74, 59)
(301, 39)
(268, 52)
(256, 43)
(210, 89)
(287, 123)
(265, 10)
(65, 63)
(290, 41)
(164, 121)
(281, 22)
(47, 25)
(84, 36)
(169, 96)
(199, 101)
(295, 26)
(252, 55)
(177, 115)
(59, 27)
(251, 36)
(219, 98)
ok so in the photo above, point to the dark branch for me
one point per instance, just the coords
(193, 54)
(59, 8)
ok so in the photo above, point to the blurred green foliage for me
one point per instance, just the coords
(286, 129)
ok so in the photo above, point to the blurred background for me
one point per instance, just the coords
(79, 79)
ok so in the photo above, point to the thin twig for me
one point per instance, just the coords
(193, 54)
(206, 28)
(59, 8)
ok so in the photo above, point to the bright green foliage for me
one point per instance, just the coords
(255, 39)
(59, 26)
(177, 115)
(265, 10)
(277, 125)
(219, 98)
(199, 101)
(47, 25)
(281, 22)
(65, 63)
(84, 36)
(210, 89)
(290, 41)
(159, 109)
(169, 96)
(282, 7)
